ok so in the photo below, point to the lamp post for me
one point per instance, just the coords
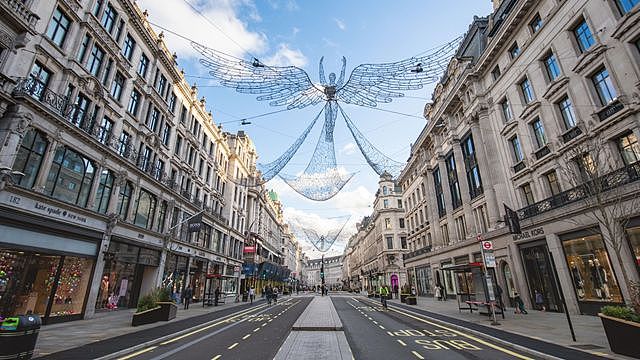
(322, 275)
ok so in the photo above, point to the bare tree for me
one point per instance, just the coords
(610, 195)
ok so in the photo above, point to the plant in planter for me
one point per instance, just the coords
(622, 326)
(155, 306)
(405, 292)
(411, 300)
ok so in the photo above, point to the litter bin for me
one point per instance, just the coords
(245, 296)
(18, 336)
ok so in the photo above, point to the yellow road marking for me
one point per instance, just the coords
(496, 347)
(246, 336)
(216, 357)
(137, 353)
(402, 343)
(210, 326)
(417, 355)
(232, 346)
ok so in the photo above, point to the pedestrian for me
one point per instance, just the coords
(268, 293)
(188, 294)
(275, 295)
(519, 304)
(438, 292)
(252, 294)
(216, 296)
(384, 292)
(499, 297)
(539, 300)
(395, 290)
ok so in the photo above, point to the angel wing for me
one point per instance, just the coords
(282, 86)
(370, 84)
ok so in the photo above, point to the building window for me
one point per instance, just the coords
(385, 190)
(535, 24)
(583, 35)
(178, 145)
(389, 242)
(401, 223)
(387, 223)
(517, 150)
(567, 113)
(495, 73)
(403, 242)
(97, 7)
(399, 204)
(166, 134)
(116, 87)
(172, 102)
(128, 47)
(143, 65)
(471, 167)
(514, 51)
(506, 110)
(527, 194)
(83, 47)
(538, 132)
(527, 91)
(604, 86)
(626, 5)
(109, 18)
(629, 148)
(153, 119)
(124, 144)
(104, 191)
(145, 210)
(445, 234)
(107, 72)
(70, 177)
(161, 85)
(124, 199)
(461, 228)
(454, 186)
(58, 27)
(158, 170)
(144, 162)
(40, 76)
(586, 166)
(437, 180)
(29, 157)
(162, 218)
(95, 60)
(104, 130)
(385, 203)
(134, 102)
(482, 219)
(552, 182)
(552, 67)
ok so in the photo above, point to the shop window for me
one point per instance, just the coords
(146, 209)
(590, 269)
(71, 286)
(104, 191)
(634, 241)
(70, 177)
(629, 148)
(29, 157)
(124, 199)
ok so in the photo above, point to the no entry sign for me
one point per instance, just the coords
(487, 245)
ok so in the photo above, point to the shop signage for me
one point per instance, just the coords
(249, 249)
(50, 211)
(529, 234)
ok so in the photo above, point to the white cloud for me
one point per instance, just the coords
(340, 24)
(348, 149)
(295, 30)
(286, 56)
(330, 43)
(230, 34)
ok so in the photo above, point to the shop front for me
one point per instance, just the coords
(540, 274)
(633, 235)
(198, 277)
(593, 280)
(449, 280)
(175, 274)
(230, 280)
(127, 267)
(424, 281)
(45, 273)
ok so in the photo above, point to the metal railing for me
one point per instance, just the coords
(418, 252)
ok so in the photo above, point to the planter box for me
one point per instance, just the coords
(411, 300)
(623, 335)
(403, 297)
(164, 312)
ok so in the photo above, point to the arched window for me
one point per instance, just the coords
(146, 209)
(104, 191)
(70, 177)
(124, 198)
(29, 158)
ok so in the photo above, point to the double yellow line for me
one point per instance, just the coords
(471, 337)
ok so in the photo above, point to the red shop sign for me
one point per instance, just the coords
(249, 249)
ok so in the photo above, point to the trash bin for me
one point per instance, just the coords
(245, 296)
(18, 336)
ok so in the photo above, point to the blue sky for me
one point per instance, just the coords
(290, 32)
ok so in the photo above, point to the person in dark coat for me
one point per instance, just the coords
(216, 295)
(188, 294)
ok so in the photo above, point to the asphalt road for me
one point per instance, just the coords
(255, 335)
(375, 333)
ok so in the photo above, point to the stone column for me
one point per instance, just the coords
(463, 184)
(434, 217)
(133, 204)
(447, 196)
(118, 183)
(486, 177)
(47, 161)
(99, 267)
(94, 186)
(555, 249)
(17, 126)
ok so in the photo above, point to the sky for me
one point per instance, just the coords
(299, 33)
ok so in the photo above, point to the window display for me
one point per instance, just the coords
(72, 286)
(634, 241)
(590, 270)
(424, 280)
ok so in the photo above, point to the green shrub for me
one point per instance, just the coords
(621, 312)
(150, 300)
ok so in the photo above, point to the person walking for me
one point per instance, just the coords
(539, 300)
(188, 294)
(252, 294)
(268, 293)
(275, 295)
(216, 296)
(519, 304)
(384, 292)
(438, 292)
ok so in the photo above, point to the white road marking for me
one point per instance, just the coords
(246, 336)
(232, 346)
(216, 357)
(402, 343)
(417, 355)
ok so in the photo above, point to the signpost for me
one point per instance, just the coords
(489, 259)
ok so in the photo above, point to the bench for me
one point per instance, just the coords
(475, 305)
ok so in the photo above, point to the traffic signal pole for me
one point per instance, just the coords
(322, 275)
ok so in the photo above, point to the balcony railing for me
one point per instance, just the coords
(418, 252)
(610, 110)
(20, 9)
(519, 167)
(620, 177)
(571, 134)
(542, 152)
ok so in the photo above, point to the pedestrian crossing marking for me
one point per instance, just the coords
(402, 343)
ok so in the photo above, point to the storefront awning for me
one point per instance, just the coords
(462, 267)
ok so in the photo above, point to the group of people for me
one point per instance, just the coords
(271, 294)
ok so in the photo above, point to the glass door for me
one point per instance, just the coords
(539, 273)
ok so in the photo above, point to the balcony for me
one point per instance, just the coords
(571, 134)
(418, 252)
(542, 152)
(620, 177)
(20, 11)
(519, 167)
(610, 110)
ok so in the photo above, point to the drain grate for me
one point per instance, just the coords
(587, 346)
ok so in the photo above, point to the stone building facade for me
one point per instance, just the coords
(107, 152)
(533, 87)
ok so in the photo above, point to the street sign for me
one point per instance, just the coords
(489, 259)
(487, 245)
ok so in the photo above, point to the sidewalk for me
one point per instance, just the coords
(105, 325)
(547, 326)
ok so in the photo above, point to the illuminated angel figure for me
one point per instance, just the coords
(368, 85)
